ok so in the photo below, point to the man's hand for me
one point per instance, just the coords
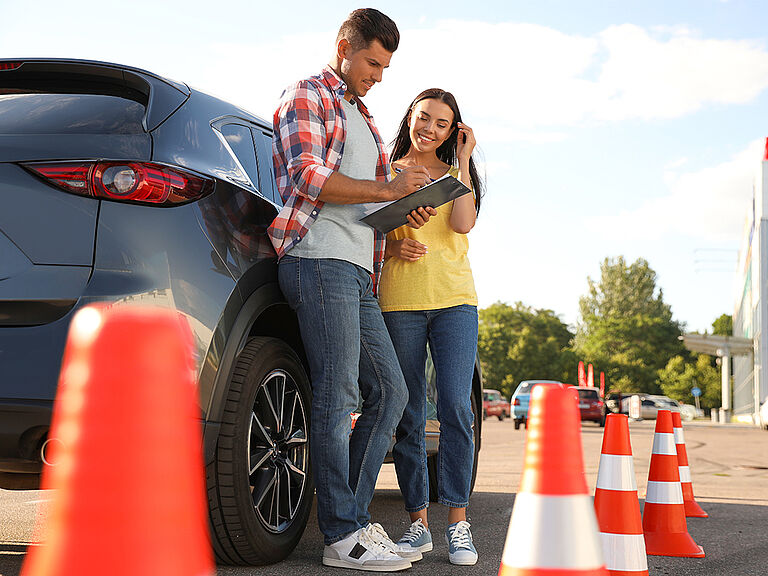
(417, 218)
(406, 249)
(407, 181)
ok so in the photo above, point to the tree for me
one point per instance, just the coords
(625, 327)
(679, 377)
(518, 343)
(723, 326)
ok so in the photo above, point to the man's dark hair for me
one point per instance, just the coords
(365, 25)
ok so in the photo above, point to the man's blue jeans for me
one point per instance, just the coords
(452, 336)
(350, 356)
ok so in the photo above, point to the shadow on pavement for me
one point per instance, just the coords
(734, 538)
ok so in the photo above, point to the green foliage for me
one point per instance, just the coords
(679, 377)
(723, 326)
(518, 343)
(625, 328)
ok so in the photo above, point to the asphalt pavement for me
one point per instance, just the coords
(729, 469)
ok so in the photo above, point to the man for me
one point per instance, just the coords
(329, 161)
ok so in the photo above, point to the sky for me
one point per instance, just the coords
(605, 127)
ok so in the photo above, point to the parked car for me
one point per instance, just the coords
(591, 406)
(688, 412)
(120, 186)
(494, 404)
(520, 399)
(650, 404)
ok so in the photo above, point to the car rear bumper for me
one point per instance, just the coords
(591, 414)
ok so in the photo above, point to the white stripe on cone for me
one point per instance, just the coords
(553, 532)
(685, 473)
(679, 438)
(624, 552)
(664, 493)
(616, 472)
(664, 443)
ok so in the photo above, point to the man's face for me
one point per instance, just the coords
(361, 69)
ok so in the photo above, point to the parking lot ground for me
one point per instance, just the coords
(729, 466)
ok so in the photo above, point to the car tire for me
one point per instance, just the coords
(485, 414)
(432, 460)
(262, 451)
(501, 416)
(517, 424)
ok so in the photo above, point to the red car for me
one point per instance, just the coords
(591, 405)
(494, 404)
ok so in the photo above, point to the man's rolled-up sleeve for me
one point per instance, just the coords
(301, 126)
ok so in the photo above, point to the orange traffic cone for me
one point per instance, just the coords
(692, 508)
(128, 470)
(666, 532)
(553, 529)
(616, 503)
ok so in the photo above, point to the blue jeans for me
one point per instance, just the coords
(350, 356)
(452, 336)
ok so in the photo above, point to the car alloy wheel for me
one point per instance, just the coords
(260, 486)
(278, 455)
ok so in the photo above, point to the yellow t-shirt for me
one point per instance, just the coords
(440, 279)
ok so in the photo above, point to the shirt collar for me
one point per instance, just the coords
(339, 87)
(334, 81)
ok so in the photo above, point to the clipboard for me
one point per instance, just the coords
(434, 194)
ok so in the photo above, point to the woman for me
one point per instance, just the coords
(427, 294)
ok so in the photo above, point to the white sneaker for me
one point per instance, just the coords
(380, 536)
(361, 552)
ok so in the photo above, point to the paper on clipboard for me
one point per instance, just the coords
(393, 215)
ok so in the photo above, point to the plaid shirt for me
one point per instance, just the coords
(307, 145)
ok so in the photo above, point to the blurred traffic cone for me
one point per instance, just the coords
(692, 509)
(616, 503)
(553, 529)
(666, 532)
(128, 470)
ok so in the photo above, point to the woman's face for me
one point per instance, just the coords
(430, 125)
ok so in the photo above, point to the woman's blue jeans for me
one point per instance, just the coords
(452, 336)
(350, 356)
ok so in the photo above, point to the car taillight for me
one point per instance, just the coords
(9, 65)
(141, 182)
(516, 402)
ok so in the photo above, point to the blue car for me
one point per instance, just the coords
(520, 400)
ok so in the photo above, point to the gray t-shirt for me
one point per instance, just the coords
(337, 232)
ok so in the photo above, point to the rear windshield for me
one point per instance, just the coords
(32, 112)
(524, 388)
(587, 394)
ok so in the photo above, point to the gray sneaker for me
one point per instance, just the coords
(417, 537)
(360, 551)
(461, 550)
(380, 536)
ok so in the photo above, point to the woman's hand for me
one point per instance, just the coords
(417, 218)
(465, 142)
(407, 249)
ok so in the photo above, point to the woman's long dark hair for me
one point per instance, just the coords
(447, 150)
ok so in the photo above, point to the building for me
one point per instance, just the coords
(750, 315)
(747, 349)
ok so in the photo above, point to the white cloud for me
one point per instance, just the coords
(648, 77)
(708, 204)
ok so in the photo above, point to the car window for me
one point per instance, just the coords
(266, 172)
(587, 394)
(42, 113)
(649, 403)
(241, 142)
(524, 388)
